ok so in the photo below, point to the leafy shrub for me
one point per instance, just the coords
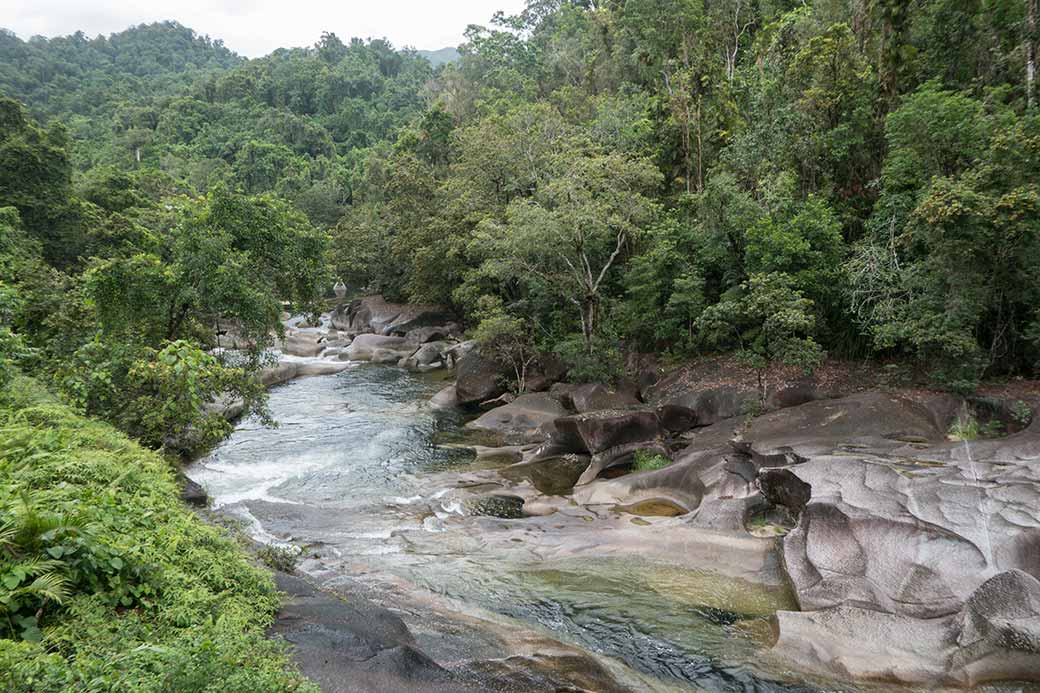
(151, 598)
(281, 558)
(157, 396)
(1022, 413)
(648, 460)
(968, 427)
(46, 556)
(604, 364)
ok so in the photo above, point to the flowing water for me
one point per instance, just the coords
(355, 477)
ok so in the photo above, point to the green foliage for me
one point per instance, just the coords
(619, 171)
(161, 397)
(768, 320)
(506, 339)
(122, 585)
(1022, 413)
(277, 557)
(950, 263)
(648, 461)
(603, 363)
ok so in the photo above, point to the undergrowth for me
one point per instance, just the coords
(647, 460)
(107, 582)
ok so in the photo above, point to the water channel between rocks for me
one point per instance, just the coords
(356, 475)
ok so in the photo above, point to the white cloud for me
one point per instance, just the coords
(257, 27)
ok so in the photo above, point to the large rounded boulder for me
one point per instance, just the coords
(478, 378)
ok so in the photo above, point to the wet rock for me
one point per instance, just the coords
(553, 475)
(311, 368)
(375, 314)
(405, 663)
(995, 636)
(478, 378)
(506, 454)
(445, 399)
(192, 492)
(496, 505)
(426, 356)
(592, 397)
(378, 348)
(352, 647)
(527, 419)
(546, 672)
(654, 507)
(280, 373)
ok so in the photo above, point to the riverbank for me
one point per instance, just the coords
(108, 581)
(937, 493)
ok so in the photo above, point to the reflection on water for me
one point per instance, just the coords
(353, 472)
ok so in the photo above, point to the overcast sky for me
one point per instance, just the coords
(256, 27)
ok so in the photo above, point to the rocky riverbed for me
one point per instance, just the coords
(834, 540)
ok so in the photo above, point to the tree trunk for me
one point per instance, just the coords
(700, 149)
(1031, 12)
(588, 322)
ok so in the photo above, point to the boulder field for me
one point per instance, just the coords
(914, 559)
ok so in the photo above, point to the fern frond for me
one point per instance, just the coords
(50, 586)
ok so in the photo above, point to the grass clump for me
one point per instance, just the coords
(648, 460)
(107, 582)
(967, 427)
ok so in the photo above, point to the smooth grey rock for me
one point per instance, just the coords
(429, 354)
(282, 372)
(553, 475)
(445, 399)
(375, 314)
(995, 636)
(422, 335)
(598, 432)
(378, 348)
(312, 368)
(303, 344)
(527, 419)
(192, 492)
(500, 401)
(591, 397)
(478, 378)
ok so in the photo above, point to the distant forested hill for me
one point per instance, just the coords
(161, 97)
(77, 75)
(442, 56)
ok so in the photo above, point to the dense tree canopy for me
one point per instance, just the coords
(784, 179)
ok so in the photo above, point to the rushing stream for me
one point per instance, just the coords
(354, 475)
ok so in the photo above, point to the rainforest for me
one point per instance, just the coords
(633, 345)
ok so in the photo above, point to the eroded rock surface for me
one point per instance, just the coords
(527, 419)
(375, 314)
(379, 348)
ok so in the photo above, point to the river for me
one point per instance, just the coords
(362, 475)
